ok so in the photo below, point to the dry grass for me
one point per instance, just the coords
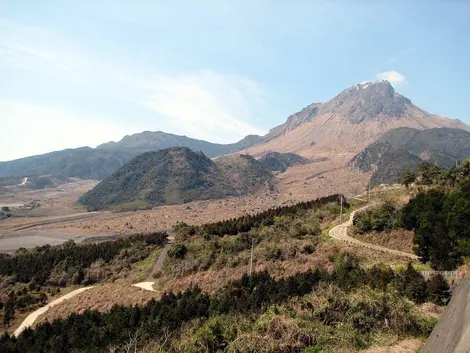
(103, 297)
(211, 280)
(100, 298)
(411, 345)
(398, 239)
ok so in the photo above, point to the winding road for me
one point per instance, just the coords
(340, 232)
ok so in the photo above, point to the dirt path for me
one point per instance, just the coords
(340, 232)
(145, 285)
(34, 315)
(148, 285)
(161, 258)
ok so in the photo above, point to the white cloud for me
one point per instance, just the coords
(394, 77)
(206, 105)
(29, 129)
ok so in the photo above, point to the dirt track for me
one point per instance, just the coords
(34, 315)
(340, 232)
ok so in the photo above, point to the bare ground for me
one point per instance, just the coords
(101, 298)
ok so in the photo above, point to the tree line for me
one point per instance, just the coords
(93, 331)
(245, 223)
(430, 174)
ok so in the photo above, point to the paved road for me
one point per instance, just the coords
(340, 232)
(34, 315)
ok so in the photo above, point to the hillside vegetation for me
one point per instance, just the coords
(348, 309)
(404, 149)
(437, 215)
(303, 295)
(175, 176)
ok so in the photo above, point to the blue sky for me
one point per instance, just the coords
(75, 73)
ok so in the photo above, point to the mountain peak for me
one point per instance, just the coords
(368, 100)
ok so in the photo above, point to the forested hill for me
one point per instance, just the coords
(276, 161)
(174, 176)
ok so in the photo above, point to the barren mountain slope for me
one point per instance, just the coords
(347, 123)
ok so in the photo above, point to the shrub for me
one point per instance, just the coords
(383, 218)
(412, 284)
(273, 254)
(439, 291)
(308, 249)
(177, 251)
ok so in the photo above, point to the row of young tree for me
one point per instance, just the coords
(37, 265)
(245, 223)
(93, 331)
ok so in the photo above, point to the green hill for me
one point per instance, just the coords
(174, 176)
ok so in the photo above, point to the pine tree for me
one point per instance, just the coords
(439, 290)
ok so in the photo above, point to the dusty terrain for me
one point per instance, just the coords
(59, 219)
(58, 201)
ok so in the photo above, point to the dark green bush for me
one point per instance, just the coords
(383, 218)
(177, 251)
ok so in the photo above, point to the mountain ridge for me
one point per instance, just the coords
(347, 123)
